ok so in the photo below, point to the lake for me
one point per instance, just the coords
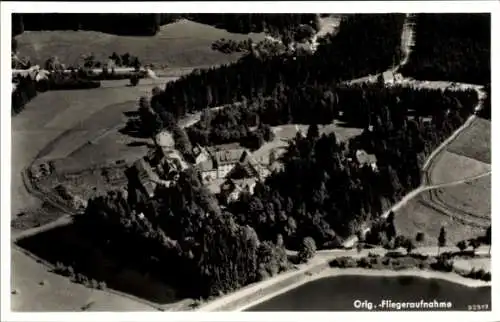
(340, 293)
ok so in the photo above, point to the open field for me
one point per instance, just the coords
(57, 123)
(476, 262)
(450, 167)
(475, 142)
(284, 133)
(416, 216)
(58, 293)
(472, 198)
(180, 44)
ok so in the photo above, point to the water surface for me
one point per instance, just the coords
(339, 294)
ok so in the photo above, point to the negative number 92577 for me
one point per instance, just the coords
(478, 307)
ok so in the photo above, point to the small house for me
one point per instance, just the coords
(388, 77)
(365, 158)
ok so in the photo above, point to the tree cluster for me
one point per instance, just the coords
(232, 124)
(452, 46)
(59, 81)
(325, 193)
(184, 225)
(365, 44)
(148, 24)
(140, 24)
(486, 111)
(125, 60)
(26, 90)
(275, 24)
(229, 46)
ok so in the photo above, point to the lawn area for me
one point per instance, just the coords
(56, 123)
(288, 132)
(476, 262)
(475, 142)
(450, 167)
(470, 198)
(97, 139)
(416, 216)
(180, 44)
(36, 217)
(284, 133)
(58, 293)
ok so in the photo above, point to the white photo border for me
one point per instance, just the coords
(233, 7)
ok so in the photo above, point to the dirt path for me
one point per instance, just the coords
(350, 242)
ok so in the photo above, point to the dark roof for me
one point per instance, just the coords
(228, 156)
(228, 185)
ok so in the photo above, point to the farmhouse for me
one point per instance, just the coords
(162, 165)
(248, 167)
(228, 161)
(220, 161)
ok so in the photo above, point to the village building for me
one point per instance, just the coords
(365, 158)
(220, 161)
(228, 161)
(161, 166)
(248, 167)
(390, 78)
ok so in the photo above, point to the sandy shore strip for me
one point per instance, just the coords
(258, 292)
(335, 272)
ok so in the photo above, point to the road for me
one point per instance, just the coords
(254, 292)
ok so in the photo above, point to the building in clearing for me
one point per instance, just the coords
(220, 161)
(161, 166)
(365, 158)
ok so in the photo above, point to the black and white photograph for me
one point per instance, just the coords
(245, 162)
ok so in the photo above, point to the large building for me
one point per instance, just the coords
(224, 161)
(161, 166)
(218, 161)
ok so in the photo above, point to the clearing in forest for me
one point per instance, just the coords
(419, 216)
(471, 199)
(180, 44)
(475, 142)
(450, 167)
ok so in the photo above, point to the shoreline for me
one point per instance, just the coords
(338, 272)
(318, 268)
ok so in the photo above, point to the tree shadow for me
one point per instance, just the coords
(344, 123)
(131, 114)
(133, 130)
(68, 246)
